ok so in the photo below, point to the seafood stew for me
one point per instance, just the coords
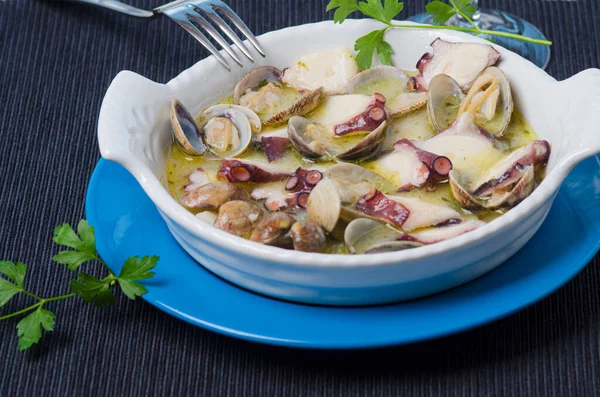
(323, 157)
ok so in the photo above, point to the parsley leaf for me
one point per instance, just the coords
(29, 328)
(73, 259)
(382, 12)
(368, 44)
(84, 244)
(131, 288)
(90, 288)
(16, 273)
(136, 269)
(464, 7)
(344, 8)
(442, 12)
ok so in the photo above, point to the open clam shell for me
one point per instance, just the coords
(490, 101)
(445, 98)
(392, 83)
(497, 199)
(185, 131)
(367, 147)
(364, 236)
(310, 139)
(262, 92)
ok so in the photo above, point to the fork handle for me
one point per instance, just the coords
(117, 6)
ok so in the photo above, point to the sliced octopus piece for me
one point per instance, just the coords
(234, 170)
(369, 119)
(331, 69)
(464, 62)
(437, 234)
(198, 177)
(406, 103)
(274, 196)
(465, 144)
(274, 147)
(410, 167)
(274, 143)
(406, 213)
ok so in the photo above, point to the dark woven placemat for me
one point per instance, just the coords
(56, 61)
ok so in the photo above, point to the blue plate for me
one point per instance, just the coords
(127, 223)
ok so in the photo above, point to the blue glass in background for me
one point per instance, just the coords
(502, 22)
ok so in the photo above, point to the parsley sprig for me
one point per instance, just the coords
(87, 287)
(385, 11)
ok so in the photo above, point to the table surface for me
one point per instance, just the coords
(56, 62)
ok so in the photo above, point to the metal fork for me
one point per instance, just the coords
(193, 15)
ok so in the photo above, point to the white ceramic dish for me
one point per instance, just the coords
(134, 131)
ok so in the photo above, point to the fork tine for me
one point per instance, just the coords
(199, 19)
(213, 16)
(224, 8)
(182, 19)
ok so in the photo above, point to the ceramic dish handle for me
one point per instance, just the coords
(133, 115)
(580, 114)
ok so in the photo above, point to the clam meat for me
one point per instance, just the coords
(263, 92)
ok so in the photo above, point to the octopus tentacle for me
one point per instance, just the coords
(245, 171)
(368, 120)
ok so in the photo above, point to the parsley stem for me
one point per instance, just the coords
(61, 297)
(34, 296)
(473, 30)
(27, 309)
(40, 303)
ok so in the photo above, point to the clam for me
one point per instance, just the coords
(314, 141)
(308, 236)
(263, 93)
(185, 131)
(324, 204)
(238, 217)
(490, 101)
(274, 229)
(227, 131)
(506, 183)
(392, 83)
(364, 236)
(445, 98)
(497, 198)
(212, 195)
